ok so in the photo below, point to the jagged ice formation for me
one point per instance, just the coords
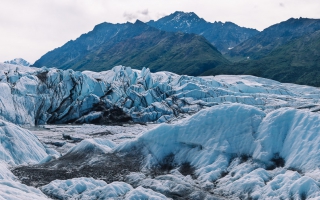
(39, 96)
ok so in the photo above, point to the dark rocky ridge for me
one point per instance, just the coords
(222, 35)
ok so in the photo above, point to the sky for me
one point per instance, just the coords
(31, 28)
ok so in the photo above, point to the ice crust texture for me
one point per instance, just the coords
(250, 137)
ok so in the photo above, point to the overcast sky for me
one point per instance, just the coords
(30, 28)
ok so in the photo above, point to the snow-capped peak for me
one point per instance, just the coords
(182, 16)
(18, 61)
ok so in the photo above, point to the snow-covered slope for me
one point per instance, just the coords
(39, 96)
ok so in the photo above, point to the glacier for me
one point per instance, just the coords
(221, 137)
(232, 149)
(33, 96)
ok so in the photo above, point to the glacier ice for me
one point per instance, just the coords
(246, 137)
(39, 96)
(19, 146)
(89, 188)
(293, 134)
(204, 137)
(13, 190)
(98, 144)
(233, 147)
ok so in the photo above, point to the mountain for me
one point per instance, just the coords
(18, 61)
(160, 51)
(295, 62)
(137, 45)
(224, 36)
(274, 36)
(74, 50)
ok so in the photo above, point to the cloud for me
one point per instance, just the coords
(144, 12)
(142, 15)
(281, 4)
(129, 16)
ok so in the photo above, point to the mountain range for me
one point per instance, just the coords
(184, 43)
(274, 36)
(138, 45)
(297, 61)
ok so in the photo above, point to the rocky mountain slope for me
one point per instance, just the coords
(273, 37)
(297, 61)
(223, 36)
(137, 45)
(74, 50)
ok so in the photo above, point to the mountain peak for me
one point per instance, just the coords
(222, 35)
(18, 61)
(184, 13)
(178, 20)
(183, 16)
(139, 22)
